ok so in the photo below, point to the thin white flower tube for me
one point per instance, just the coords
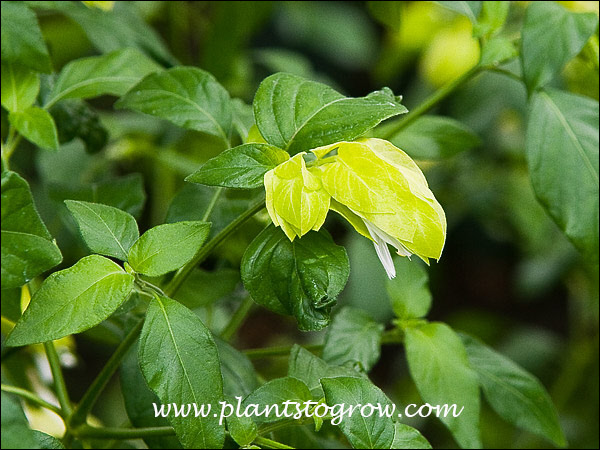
(381, 240)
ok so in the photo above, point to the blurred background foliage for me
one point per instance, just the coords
(507, 275)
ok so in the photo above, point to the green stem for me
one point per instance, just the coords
(389, 337)
(91, 395)
(577, 359)
(186, 270)
(505, 72)
(14, 145)
(268, 443)
(259, 353)
(86, 431)
(213, 202)
(271, 427)
(11, 135)
(5, 158)
(148, 288)
(114, 443)
(59, 381)
(143, 292)
(30, 396)
(237, 319)
(12, 141)
(89, 432)
(433, 100)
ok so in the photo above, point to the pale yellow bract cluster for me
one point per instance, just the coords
(295, 197)
(373, 184)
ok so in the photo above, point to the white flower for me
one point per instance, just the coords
(381, 240)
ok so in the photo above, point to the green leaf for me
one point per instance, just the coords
(242, 430)
(368, 282)
(22, 40)
(24, 256)
(544, 53)
(296, 114)
(469, 9)
(243, 118)
(186, 96)
(123, 27)
(362, 432)
(27, 247)
(435, 137)
(167, 247)
(15, 427)
(409, 291)
(344, 37)
(180, 363)
(388, 13)
(241, 167)
(105, 230)
(125, 193)
(562, 155)
(513, 393)
(353, 337)
(114, 73)
(44, 440)
(225, 43)
(408, 437)
(139, 399)
(309, 368)
(11, 303)
(491, 19)
(239, 377)
(276, 392)
(301, 278)
(36, 125)
(275, 59)
(231, 204)
(440, 368)
(73, 300)
(497, 50)
(20, 87)
(77, 119)
(193, 292)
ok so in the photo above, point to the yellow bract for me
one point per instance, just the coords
(295, 198)
(373, 184)
(380, 184)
